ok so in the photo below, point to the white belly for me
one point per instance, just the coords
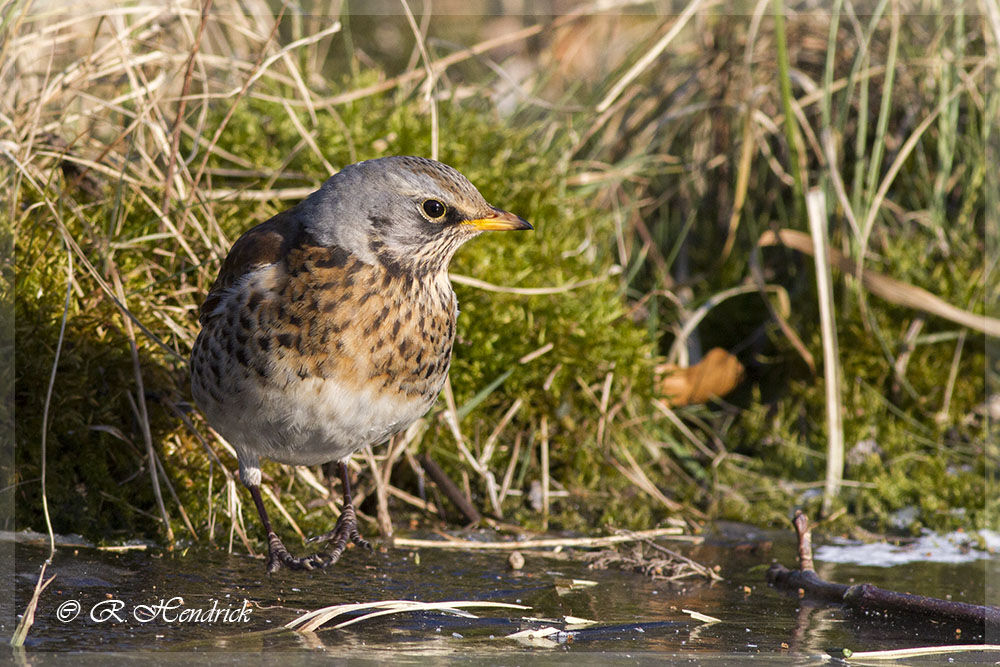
(310, 422)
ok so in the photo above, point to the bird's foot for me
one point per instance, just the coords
(344, 532)
(278, 556)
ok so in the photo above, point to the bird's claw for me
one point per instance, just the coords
(343, 533)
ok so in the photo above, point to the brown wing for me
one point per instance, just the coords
(264, 244)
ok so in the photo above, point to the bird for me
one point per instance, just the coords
(330, 326)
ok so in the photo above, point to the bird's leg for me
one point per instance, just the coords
(277, 554)
(346, 529)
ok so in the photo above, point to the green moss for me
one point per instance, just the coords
(98, 483)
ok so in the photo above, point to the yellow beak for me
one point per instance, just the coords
(500, 221)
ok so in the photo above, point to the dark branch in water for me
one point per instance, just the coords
(870, 598)
(450, 489)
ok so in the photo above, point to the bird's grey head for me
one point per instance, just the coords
(409, 213)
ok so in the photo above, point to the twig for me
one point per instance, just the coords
(695, 565)
(805, 541)
(450, 489)
(872, 599)
(585, 542)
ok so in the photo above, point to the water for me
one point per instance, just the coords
(91, 607)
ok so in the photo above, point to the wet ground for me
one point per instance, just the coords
(206, 601)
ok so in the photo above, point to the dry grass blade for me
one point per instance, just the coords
(82, 256)
(531, 356)
(683, 428)
(890, 289)
(916, 652)
(333, 611)
(173, 494)
(529, 291)
(138, 405)
(21, 630)
(534, 633)
(444, 63)
(508, 476)
(698, 616)
(266, 488)
(647, 59)
(634, 474)
(28, 619)
(451, 418)
(381, 493)
(816, 211)
(491, 441)
(175, 138)
(272, 194)
(48, 403)
(431, 79)
(904, 153)
(695, 318)
(313, 620)
(742, 185)
(757, 274)
(544, 465)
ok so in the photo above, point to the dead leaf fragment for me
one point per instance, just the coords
(717, 374)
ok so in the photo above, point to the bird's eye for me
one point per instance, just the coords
(434, 209)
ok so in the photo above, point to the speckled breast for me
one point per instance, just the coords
(314, 358)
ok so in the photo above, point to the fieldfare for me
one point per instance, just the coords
(330, 326)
